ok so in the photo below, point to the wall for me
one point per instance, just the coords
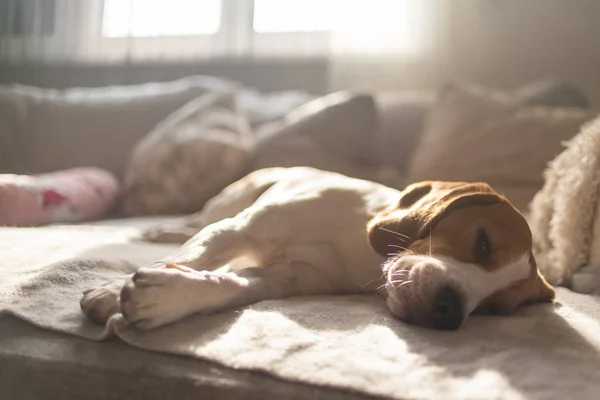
(504, 43)
(500, 43)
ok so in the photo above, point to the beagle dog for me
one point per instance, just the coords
(438, 251)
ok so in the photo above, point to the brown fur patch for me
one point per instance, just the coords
(444, 218)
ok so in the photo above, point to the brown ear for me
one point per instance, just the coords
(541, 291)
(545, 292)
(535, 289)
(399, 224)
(419, 208)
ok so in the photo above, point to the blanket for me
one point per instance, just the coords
(349, 342)
(563, 214)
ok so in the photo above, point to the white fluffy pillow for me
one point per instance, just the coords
(188, 158)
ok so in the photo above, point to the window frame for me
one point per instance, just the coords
(78, 37)
(236, 38)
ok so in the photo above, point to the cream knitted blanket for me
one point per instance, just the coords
(349, 342)
(563, 216)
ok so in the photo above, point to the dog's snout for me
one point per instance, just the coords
(423, 292)
(448, 309)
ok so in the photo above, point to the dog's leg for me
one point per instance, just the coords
(175, 232)
(183, 230)
(214, 246)
(155, 297)
(227, 204)
(211, 248)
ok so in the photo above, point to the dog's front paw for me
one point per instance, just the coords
(101, 303)
(157, 296)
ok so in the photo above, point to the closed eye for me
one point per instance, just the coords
(483, 247)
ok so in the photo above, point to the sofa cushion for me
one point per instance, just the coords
(13, 117)
(401, 118)
(402, 114)
(47, 130)
(263, 107)
(551, 92)
(477, 134)
(337, 132)
(188, 158)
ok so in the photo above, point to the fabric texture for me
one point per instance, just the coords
(476, 134)
(551, 92)
(39, 126)
(66, 196)
(349, 342)
(401, 119)
(564, 218)
(402, 114)
(43, 126)
(339, 132)
(188, 158)
(13, 118)
(263, 107)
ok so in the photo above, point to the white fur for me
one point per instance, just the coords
(306, 231)
(159, 296)
(419, 278)
(476, 283)
(304, 228)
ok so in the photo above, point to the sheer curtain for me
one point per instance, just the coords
(110, 31)
(41, 30)
(388, 44)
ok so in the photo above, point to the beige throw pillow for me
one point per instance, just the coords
(188, 158)
(45, 130)
(338, 132)
(475, 134)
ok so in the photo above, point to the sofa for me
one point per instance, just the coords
(392, 138)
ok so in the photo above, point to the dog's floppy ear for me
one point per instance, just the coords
(540, 290)
(534, 289)
(420, 206)
(400, 223)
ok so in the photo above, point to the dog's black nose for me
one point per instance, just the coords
(448, 310)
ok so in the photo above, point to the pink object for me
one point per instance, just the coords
(66, 196)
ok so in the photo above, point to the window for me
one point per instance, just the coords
(316, 27)
(295, 16)
(151, 18)
(114, 30)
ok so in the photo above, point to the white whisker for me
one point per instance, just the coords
(395, 233)
(400, 271)
(397, 281)
(397, 246)
(429, 242)
(404, 249)
(403, 272)
(369, 282)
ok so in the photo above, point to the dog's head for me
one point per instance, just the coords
(454, 249)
